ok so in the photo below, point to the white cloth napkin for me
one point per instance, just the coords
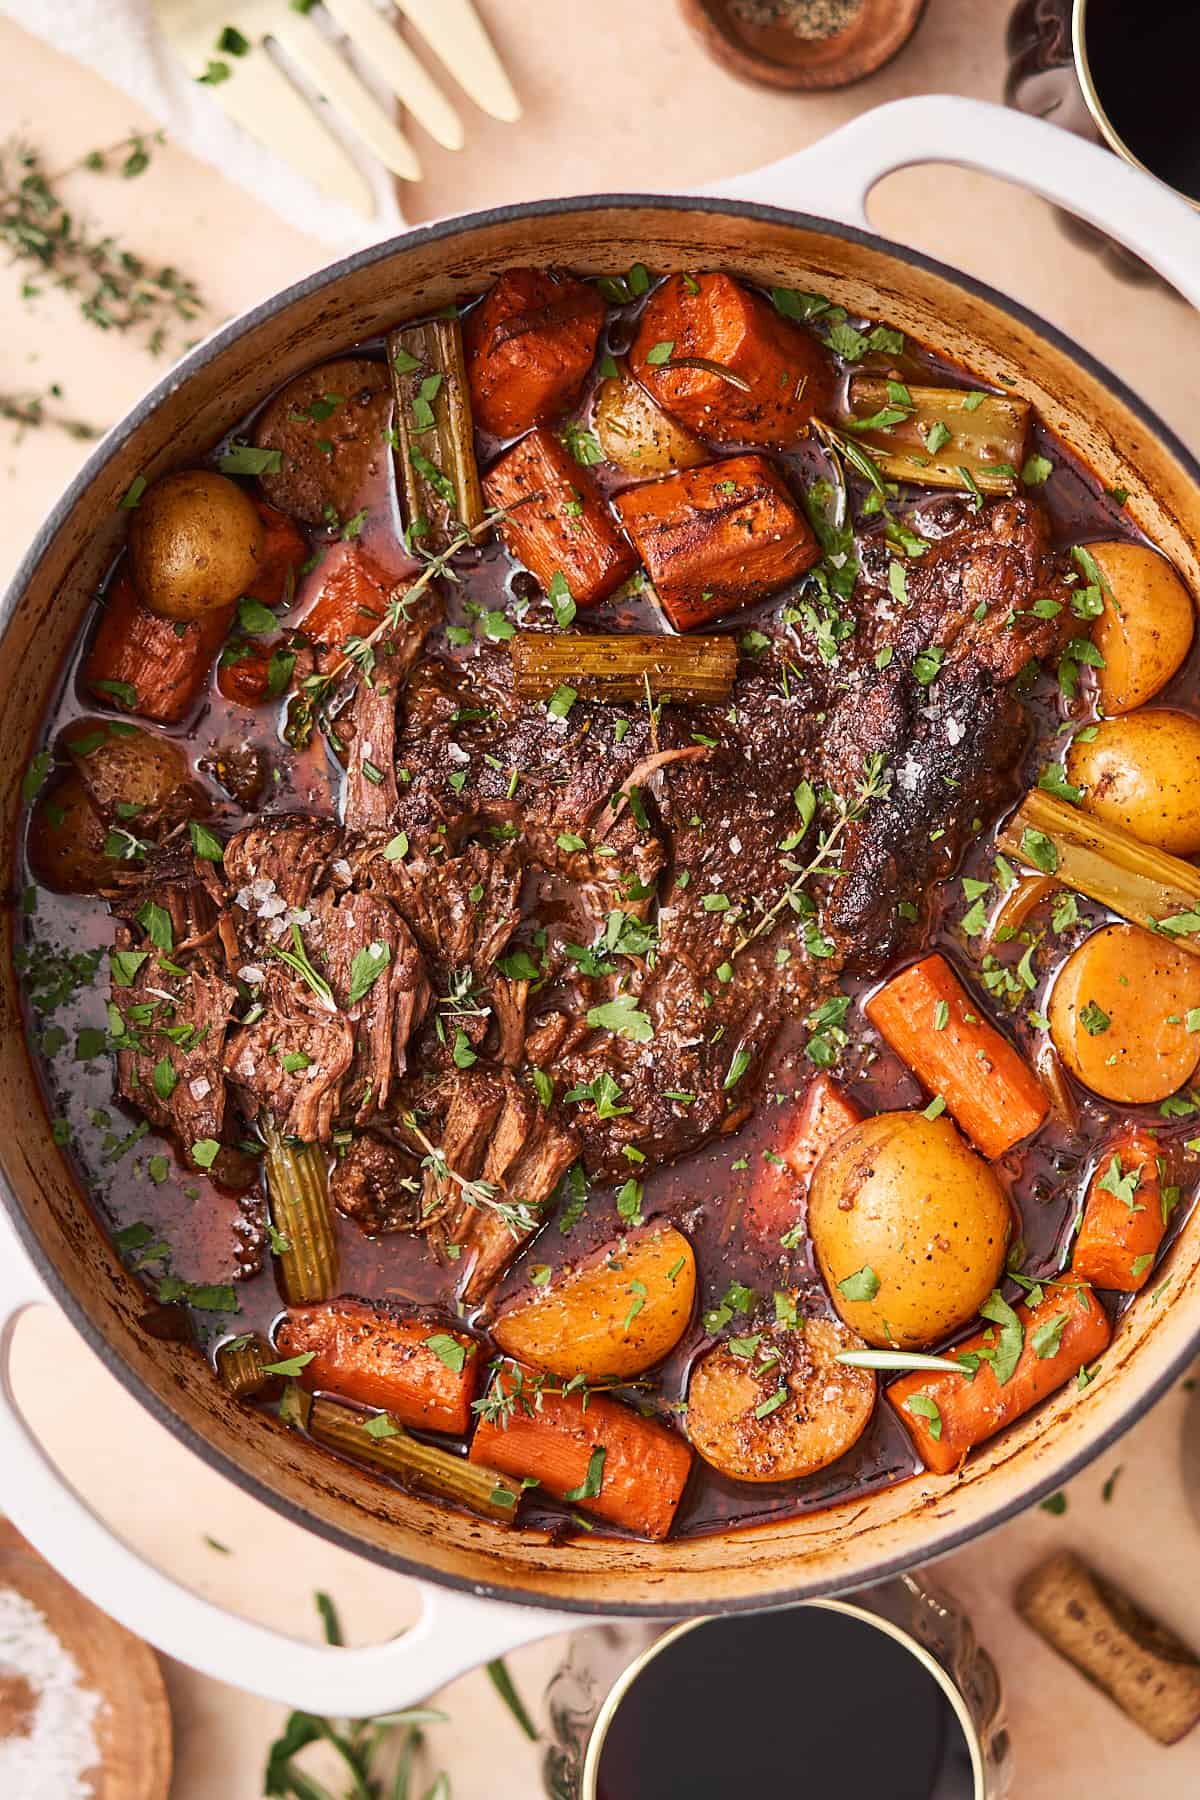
(122, 41)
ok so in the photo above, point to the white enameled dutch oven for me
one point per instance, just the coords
(485, 1590)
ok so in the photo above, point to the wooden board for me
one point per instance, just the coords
(133, 1726)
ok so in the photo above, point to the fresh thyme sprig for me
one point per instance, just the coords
(524, 1390)
(519, 1217)
(28, 411)
(117, 289)
(873, 785)
(307, 710)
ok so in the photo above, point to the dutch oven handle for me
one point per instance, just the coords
(834, 176)
(454, 1633)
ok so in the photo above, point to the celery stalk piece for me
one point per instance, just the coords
(376, 1438)
(940, 435)
(295, 1407)
(627, 666)
(298, 1190)
(1146, 886)
(436, 473)
(240, 1366)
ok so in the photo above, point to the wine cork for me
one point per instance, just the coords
(1151, 1674)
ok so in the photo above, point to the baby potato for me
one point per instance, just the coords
(1145, 630)
(616, 1314)
(1118, 1014)
(637, 435)
(66, 840)
(131, 767)
(1142, 773)
(910, 1228)
(821, 1407)
(195, 540)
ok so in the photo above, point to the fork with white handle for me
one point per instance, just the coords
(243, 51)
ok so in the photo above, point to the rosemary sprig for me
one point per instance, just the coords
(361, 1745)
(504, 1685)
(873, 785)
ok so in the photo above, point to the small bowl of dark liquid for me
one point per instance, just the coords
(831, 1694)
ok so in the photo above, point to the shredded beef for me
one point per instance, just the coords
(372, 801)
(292, 1061)
(525, 1157)
(174, 1005)
(462, 909)
(474, 1102)
(347, 932)
(509, 1000)
(310, 1059)
(374, 1185)
(281, 859)
(668, 873)
(940, 712)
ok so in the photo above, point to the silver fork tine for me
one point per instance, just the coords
(323, 66)
(391, 58)
(263, 101)
(454, 31)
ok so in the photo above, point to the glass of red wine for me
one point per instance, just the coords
(1118, 72)
(888, 1693)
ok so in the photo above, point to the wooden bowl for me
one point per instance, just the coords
(777, 57)
(133, 1723)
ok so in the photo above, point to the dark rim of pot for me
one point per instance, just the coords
(939, 1543)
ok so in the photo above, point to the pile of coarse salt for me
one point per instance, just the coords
(51, 1745)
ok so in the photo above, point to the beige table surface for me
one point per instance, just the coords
(617, 96)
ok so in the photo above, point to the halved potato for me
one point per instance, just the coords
(910, 1227)
(67, 838)
(1145, 630)
(616, 1314)
(637, 435)
(125, 766)
(1119, 1014)
(776, 1405)
(1142, 772)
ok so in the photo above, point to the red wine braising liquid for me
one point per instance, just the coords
(797, 1702)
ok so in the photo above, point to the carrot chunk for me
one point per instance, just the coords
(284, 549)
(353, 598)
(560, 522)
(946, 1415)
(147, 664)
(637, 1482)
(722, 360)
(244, 672)
(529, 344)
(808, 1129)
(718, 537)
(350, 602)
(1125, 1216)
(930, 1020)
(424, 1374)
